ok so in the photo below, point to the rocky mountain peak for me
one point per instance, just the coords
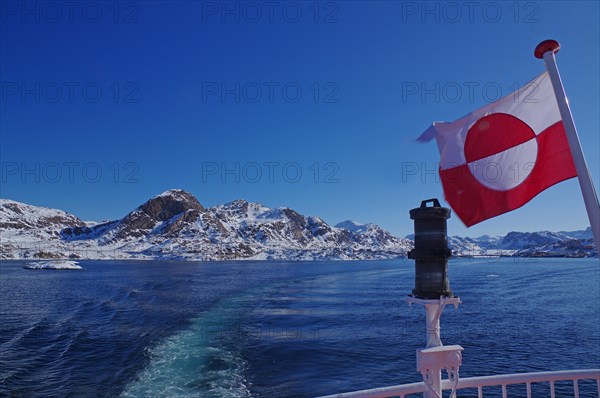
(238, 206)
(353, 226)
(169, 204)
(19, 215)
(174, 206)
(518, 240)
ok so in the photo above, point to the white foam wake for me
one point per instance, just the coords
(195, 362)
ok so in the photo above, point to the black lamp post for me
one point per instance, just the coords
(432, 290)
(431, 251)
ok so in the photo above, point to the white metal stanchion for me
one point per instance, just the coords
(436, 357)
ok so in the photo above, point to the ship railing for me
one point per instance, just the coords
(503, 381)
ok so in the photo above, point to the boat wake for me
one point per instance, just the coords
(201, 360)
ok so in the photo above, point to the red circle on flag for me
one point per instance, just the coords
(495, 133)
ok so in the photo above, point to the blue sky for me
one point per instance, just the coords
(301, 104)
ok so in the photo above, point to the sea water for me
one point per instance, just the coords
(282, 329)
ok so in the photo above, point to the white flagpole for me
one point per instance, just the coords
(546, 50)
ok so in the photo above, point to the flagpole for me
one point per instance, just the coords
(546, 50)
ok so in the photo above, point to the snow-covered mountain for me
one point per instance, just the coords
(374, 235)
(528, 244)
(175, 225)
(554, 244)
(525, 244)
(22, 225)
(353, 226)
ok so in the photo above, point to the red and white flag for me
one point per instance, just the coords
(499, 157)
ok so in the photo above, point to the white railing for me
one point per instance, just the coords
(486, 381)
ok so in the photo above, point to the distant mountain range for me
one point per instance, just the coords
(174, 225)
(528, 244)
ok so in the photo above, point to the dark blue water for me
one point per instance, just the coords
(242, 329)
